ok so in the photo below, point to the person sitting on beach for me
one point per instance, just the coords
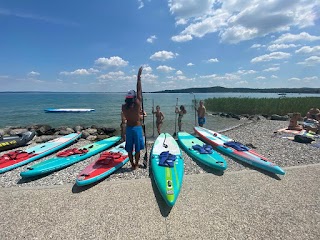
(159, 118)
(314, 113)
(181, 112)
(293, 124)
(131, 111)
(201, 114)
(312, 120)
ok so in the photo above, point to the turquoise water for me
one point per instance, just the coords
(24, 109)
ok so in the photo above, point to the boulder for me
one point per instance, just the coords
(279, 118)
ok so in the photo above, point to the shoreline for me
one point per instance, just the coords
(259, 134)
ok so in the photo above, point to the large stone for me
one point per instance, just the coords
(44, 138)
(279, 118)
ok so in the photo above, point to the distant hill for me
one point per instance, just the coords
(242, 90)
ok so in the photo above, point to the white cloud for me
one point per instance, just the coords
(33, 74)
(272, 69)
(261, 78)
(181, 38)
(213, 60)
(141, 4)
(151, 39)
(294, 79)
(179, 72)
(271, 56)
(225, 77)
(245, 72)
(190, 64)
(80, 72)
(314, 60)
(164, 68)
(147, 69)
(190, 8)
(163, 55)
(310, 79)
(28, 15)
(241, 20)
(112, 75)
(288, 37)
(256, 45)
(274, 76)
(114, 61)
(309, 50)
(276, 47)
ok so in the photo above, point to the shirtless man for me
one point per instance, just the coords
(201, 114)
(131, 112)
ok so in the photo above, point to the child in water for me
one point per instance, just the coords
(159, 118)
(181, 112)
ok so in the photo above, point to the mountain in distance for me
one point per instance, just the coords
(218, 89)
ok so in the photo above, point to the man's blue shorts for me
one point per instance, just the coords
(134, 139)
(201, 120)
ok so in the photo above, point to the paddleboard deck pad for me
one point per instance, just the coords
(69, 157)
(237, 150)
(201, 152)
(18, 158)
(167, 167)
(107, 163)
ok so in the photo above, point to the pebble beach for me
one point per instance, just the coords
(261, 135)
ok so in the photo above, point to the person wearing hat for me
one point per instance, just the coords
(134, 132)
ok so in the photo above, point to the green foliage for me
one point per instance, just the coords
(266, 106)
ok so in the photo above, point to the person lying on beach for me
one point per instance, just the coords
(159, 118)
(181, 112)
(131, 112)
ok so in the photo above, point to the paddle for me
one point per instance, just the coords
(152, 117)
(195, 109)
(145, 158)
(175, 124)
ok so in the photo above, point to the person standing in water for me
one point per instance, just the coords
(201, 114)
(131, 111)
(180, 112)
(159, 118)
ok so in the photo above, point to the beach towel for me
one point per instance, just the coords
(167, 159)
(237, 146)
(205, 149)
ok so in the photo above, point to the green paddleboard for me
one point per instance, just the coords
(168, 178)
(207, 156)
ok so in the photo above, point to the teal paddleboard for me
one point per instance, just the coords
(194, 147)
(167, 167)
(57, 163)
(7, 162)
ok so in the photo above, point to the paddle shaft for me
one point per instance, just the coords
(195, 110)
(175, 123)
(152, 117)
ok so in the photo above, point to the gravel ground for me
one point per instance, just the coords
(260, 134)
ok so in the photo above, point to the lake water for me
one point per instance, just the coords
(23, 109)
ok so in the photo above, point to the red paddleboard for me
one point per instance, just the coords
(107, 163)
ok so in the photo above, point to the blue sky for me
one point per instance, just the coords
(98, 46)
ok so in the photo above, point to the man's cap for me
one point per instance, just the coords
(131, 94)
